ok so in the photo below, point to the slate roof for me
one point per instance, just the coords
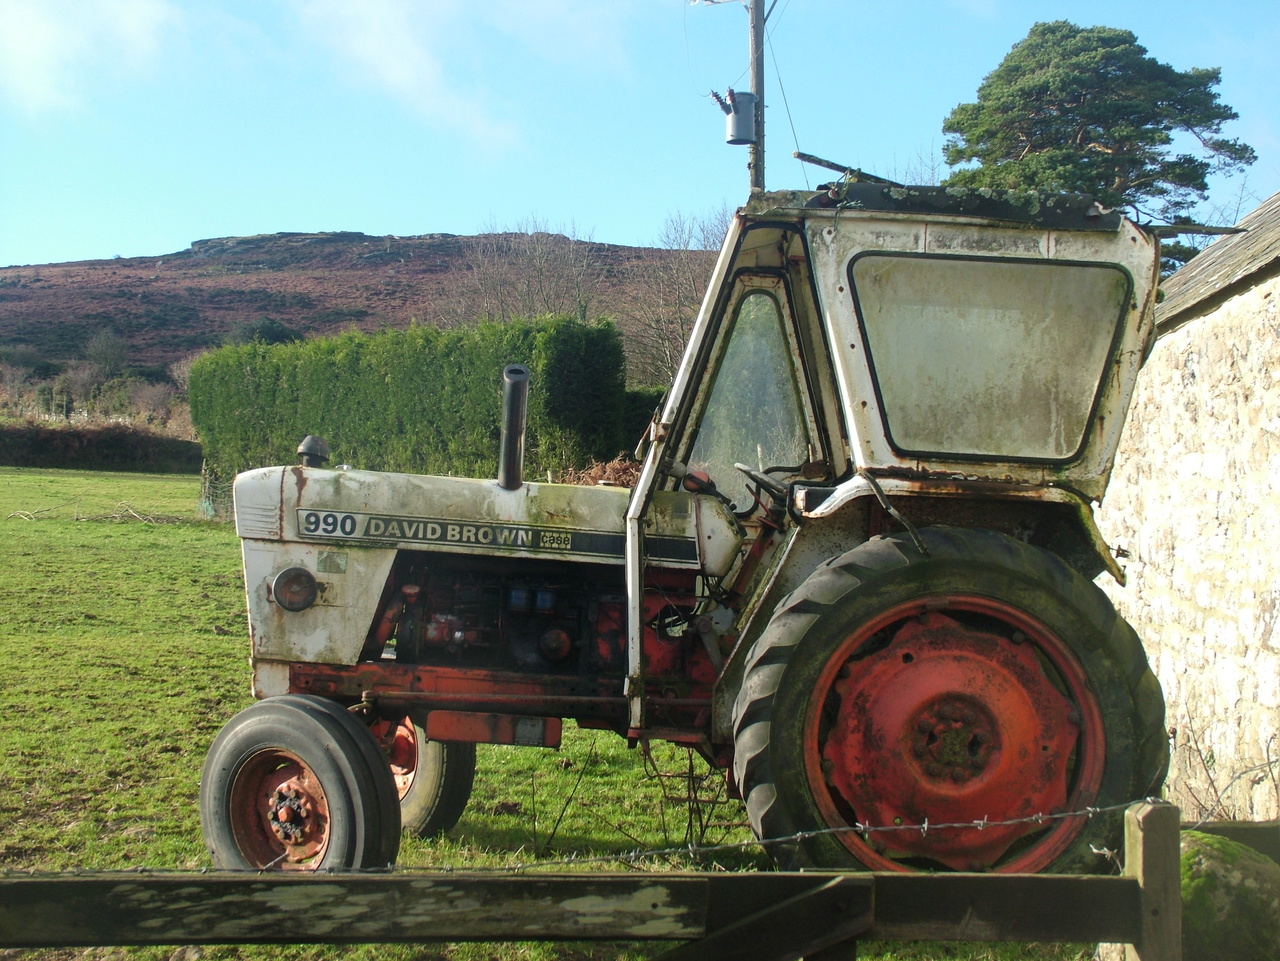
(1227, 266)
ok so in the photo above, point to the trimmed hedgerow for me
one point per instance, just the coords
(114, 447)
(417, 400)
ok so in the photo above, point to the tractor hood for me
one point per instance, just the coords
(464, 515)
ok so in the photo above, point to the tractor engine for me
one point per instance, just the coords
(460, 612)
(548, 618)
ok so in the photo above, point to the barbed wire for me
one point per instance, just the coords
(864, 830)
(638, 855)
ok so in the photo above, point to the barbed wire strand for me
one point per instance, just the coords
(692, 850)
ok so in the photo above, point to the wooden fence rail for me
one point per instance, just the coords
(764, 916)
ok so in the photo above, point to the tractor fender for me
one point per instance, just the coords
(1083, 547)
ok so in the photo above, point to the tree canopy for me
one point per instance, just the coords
(1087, 110)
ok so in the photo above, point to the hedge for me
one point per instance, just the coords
(417, 400)
(116, 447)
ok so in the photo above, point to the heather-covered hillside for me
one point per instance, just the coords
(165, 308)
(113, 340)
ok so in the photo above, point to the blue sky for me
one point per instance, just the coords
(134, 127)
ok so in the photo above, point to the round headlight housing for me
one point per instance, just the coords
(294, 589)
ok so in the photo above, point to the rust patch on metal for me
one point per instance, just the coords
(462, 689)
(494, 728)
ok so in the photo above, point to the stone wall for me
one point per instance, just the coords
(1195, 500)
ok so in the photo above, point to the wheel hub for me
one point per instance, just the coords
(954, 739)
(279, 812)
(289, 815)
(399, 740)
(948, 723)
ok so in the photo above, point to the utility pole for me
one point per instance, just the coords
(755, 159)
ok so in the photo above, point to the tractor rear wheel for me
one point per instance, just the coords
(906, 710)
(433, 778)
(295, 783)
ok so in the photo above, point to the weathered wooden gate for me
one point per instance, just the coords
(744, 917)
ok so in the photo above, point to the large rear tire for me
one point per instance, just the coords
(984, 681)
(433, 778)
(295, 783)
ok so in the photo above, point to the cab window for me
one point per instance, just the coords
(989, 358)
(754, 414)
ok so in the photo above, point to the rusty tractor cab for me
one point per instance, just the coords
(856, 571)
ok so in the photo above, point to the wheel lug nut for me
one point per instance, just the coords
(924, 725)
(934, 769)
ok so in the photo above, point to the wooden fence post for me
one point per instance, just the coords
(1153, 859)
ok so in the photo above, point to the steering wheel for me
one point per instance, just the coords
(776, 488)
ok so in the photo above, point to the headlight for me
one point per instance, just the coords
(294, 589)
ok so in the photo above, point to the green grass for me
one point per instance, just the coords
(121, 646)
(123, 651)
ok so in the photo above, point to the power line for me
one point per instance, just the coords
(777, 72)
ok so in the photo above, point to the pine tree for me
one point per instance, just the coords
(1088, 110)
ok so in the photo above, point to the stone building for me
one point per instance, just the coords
(1195, 503)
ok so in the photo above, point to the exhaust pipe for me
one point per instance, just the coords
(515, 404)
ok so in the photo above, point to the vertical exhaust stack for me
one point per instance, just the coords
(515, 405)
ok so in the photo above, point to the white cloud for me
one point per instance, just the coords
(423, 51)
(399, 45)
(50, 49)
(565, 30)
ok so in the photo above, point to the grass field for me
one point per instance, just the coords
(123, 650)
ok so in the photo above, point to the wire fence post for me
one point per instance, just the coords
(1152, 858)
(216, 502)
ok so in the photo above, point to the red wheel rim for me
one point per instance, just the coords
(399, 740)
(279, 813)
(950, 710)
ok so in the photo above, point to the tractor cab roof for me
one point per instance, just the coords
(1031, 209)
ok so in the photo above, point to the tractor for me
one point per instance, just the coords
(856, 570)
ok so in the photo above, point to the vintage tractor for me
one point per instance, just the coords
(855, 571)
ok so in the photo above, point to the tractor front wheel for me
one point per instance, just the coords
(947, 709)
(296, 783)
(433, 778)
